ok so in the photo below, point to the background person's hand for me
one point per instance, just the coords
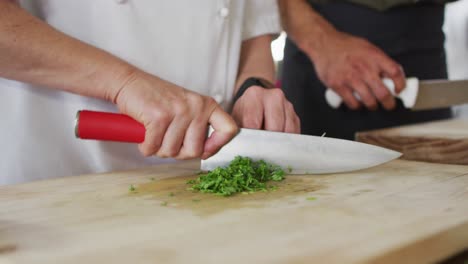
(348, 65)
(260, 108)
(176, 119)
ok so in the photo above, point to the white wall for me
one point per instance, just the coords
(456, 30)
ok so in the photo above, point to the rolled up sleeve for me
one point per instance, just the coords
(261, 18)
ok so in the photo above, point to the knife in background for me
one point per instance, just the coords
(302, 154)
(420, 95)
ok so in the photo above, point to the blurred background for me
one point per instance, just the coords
(456, 45)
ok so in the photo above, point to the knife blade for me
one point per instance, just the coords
(420, 95)
(297, 154)
(301, 154)
(441, 93)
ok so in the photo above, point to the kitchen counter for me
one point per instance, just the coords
(399, 212)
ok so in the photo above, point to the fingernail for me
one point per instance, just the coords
(205, 155)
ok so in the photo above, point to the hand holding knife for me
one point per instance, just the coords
(420, 95)
(304, 154)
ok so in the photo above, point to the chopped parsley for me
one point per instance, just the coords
(131, 188)
(243, 175)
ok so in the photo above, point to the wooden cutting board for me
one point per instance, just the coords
(400, 212)
(442, 141)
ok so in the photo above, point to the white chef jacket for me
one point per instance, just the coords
(192, 43)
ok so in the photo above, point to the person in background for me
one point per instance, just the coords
(349, 46)
(174, 66)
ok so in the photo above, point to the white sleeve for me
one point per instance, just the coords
(261, 17)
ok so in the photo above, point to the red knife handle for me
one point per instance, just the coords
(108, 126)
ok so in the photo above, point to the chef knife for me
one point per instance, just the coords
(301, 154)
(420, 95)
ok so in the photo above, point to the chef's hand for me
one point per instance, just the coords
(349, 64)
(176, 119)
(260, 108)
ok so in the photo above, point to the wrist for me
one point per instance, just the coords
(121, 76)
(314, 35)
(249, 82)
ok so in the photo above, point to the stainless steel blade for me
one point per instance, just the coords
(441, 93)
(301, 153)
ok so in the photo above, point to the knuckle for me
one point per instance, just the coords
(361, 66)
(196, 99)
(153, 148)
(191, 153)
(339, 89)
(254, 91)
(297, 122)
(167, 153)
(209, 102)
(173, 152)
(370, 103)
(383, 95)
(277, 92)
(352, 103)
(146, 150)
(334, 83)
(182, 156)
(379, 90)
(355, 86)
(251, 122)
(393, 69)
(389, 106)
(158, 115)
(352, 77)
(162, 155)
(232, 129)
(180, 107)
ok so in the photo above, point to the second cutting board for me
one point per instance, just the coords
(440, 142)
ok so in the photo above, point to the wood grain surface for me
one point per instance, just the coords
(400, 212)
(441, 142)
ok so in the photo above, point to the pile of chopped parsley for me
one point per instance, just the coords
(243, 175)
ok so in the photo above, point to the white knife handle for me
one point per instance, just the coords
(408, 95)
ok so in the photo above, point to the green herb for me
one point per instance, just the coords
(196, 200)
(242, 175)
(289, 169)
(152, 178)
(171, 194)
(191, 181)
(131, 188)
(164, 204)
(311, 198)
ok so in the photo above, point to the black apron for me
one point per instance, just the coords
(411, 35)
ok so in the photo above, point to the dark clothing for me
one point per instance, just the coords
(411, 35)
(382, 4)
